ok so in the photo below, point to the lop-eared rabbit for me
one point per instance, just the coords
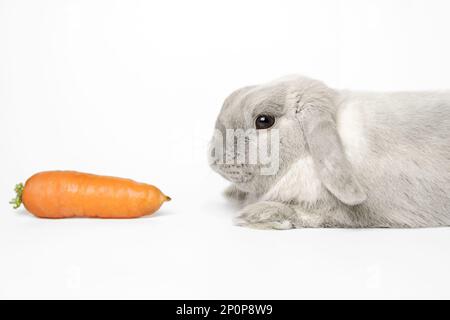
(344, 159)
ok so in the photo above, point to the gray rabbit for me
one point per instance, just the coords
(344, 159)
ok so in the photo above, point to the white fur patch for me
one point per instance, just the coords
(350, 125)
(299, 183)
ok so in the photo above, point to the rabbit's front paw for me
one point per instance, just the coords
(267, 215)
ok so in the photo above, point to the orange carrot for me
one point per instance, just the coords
(65, 194)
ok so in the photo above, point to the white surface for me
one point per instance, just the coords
(132, 88)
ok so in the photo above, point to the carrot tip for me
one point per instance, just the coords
(17, 201)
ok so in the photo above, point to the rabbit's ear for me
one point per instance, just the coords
(325, 146)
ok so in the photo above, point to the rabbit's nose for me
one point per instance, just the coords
(213, 157)
(215, 151)
(220, 127)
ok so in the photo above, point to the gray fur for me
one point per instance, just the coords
(347, 159)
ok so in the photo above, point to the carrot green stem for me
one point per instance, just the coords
(17, 201)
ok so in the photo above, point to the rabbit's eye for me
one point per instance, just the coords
(264, 121)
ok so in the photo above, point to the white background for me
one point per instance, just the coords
(132, 89)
